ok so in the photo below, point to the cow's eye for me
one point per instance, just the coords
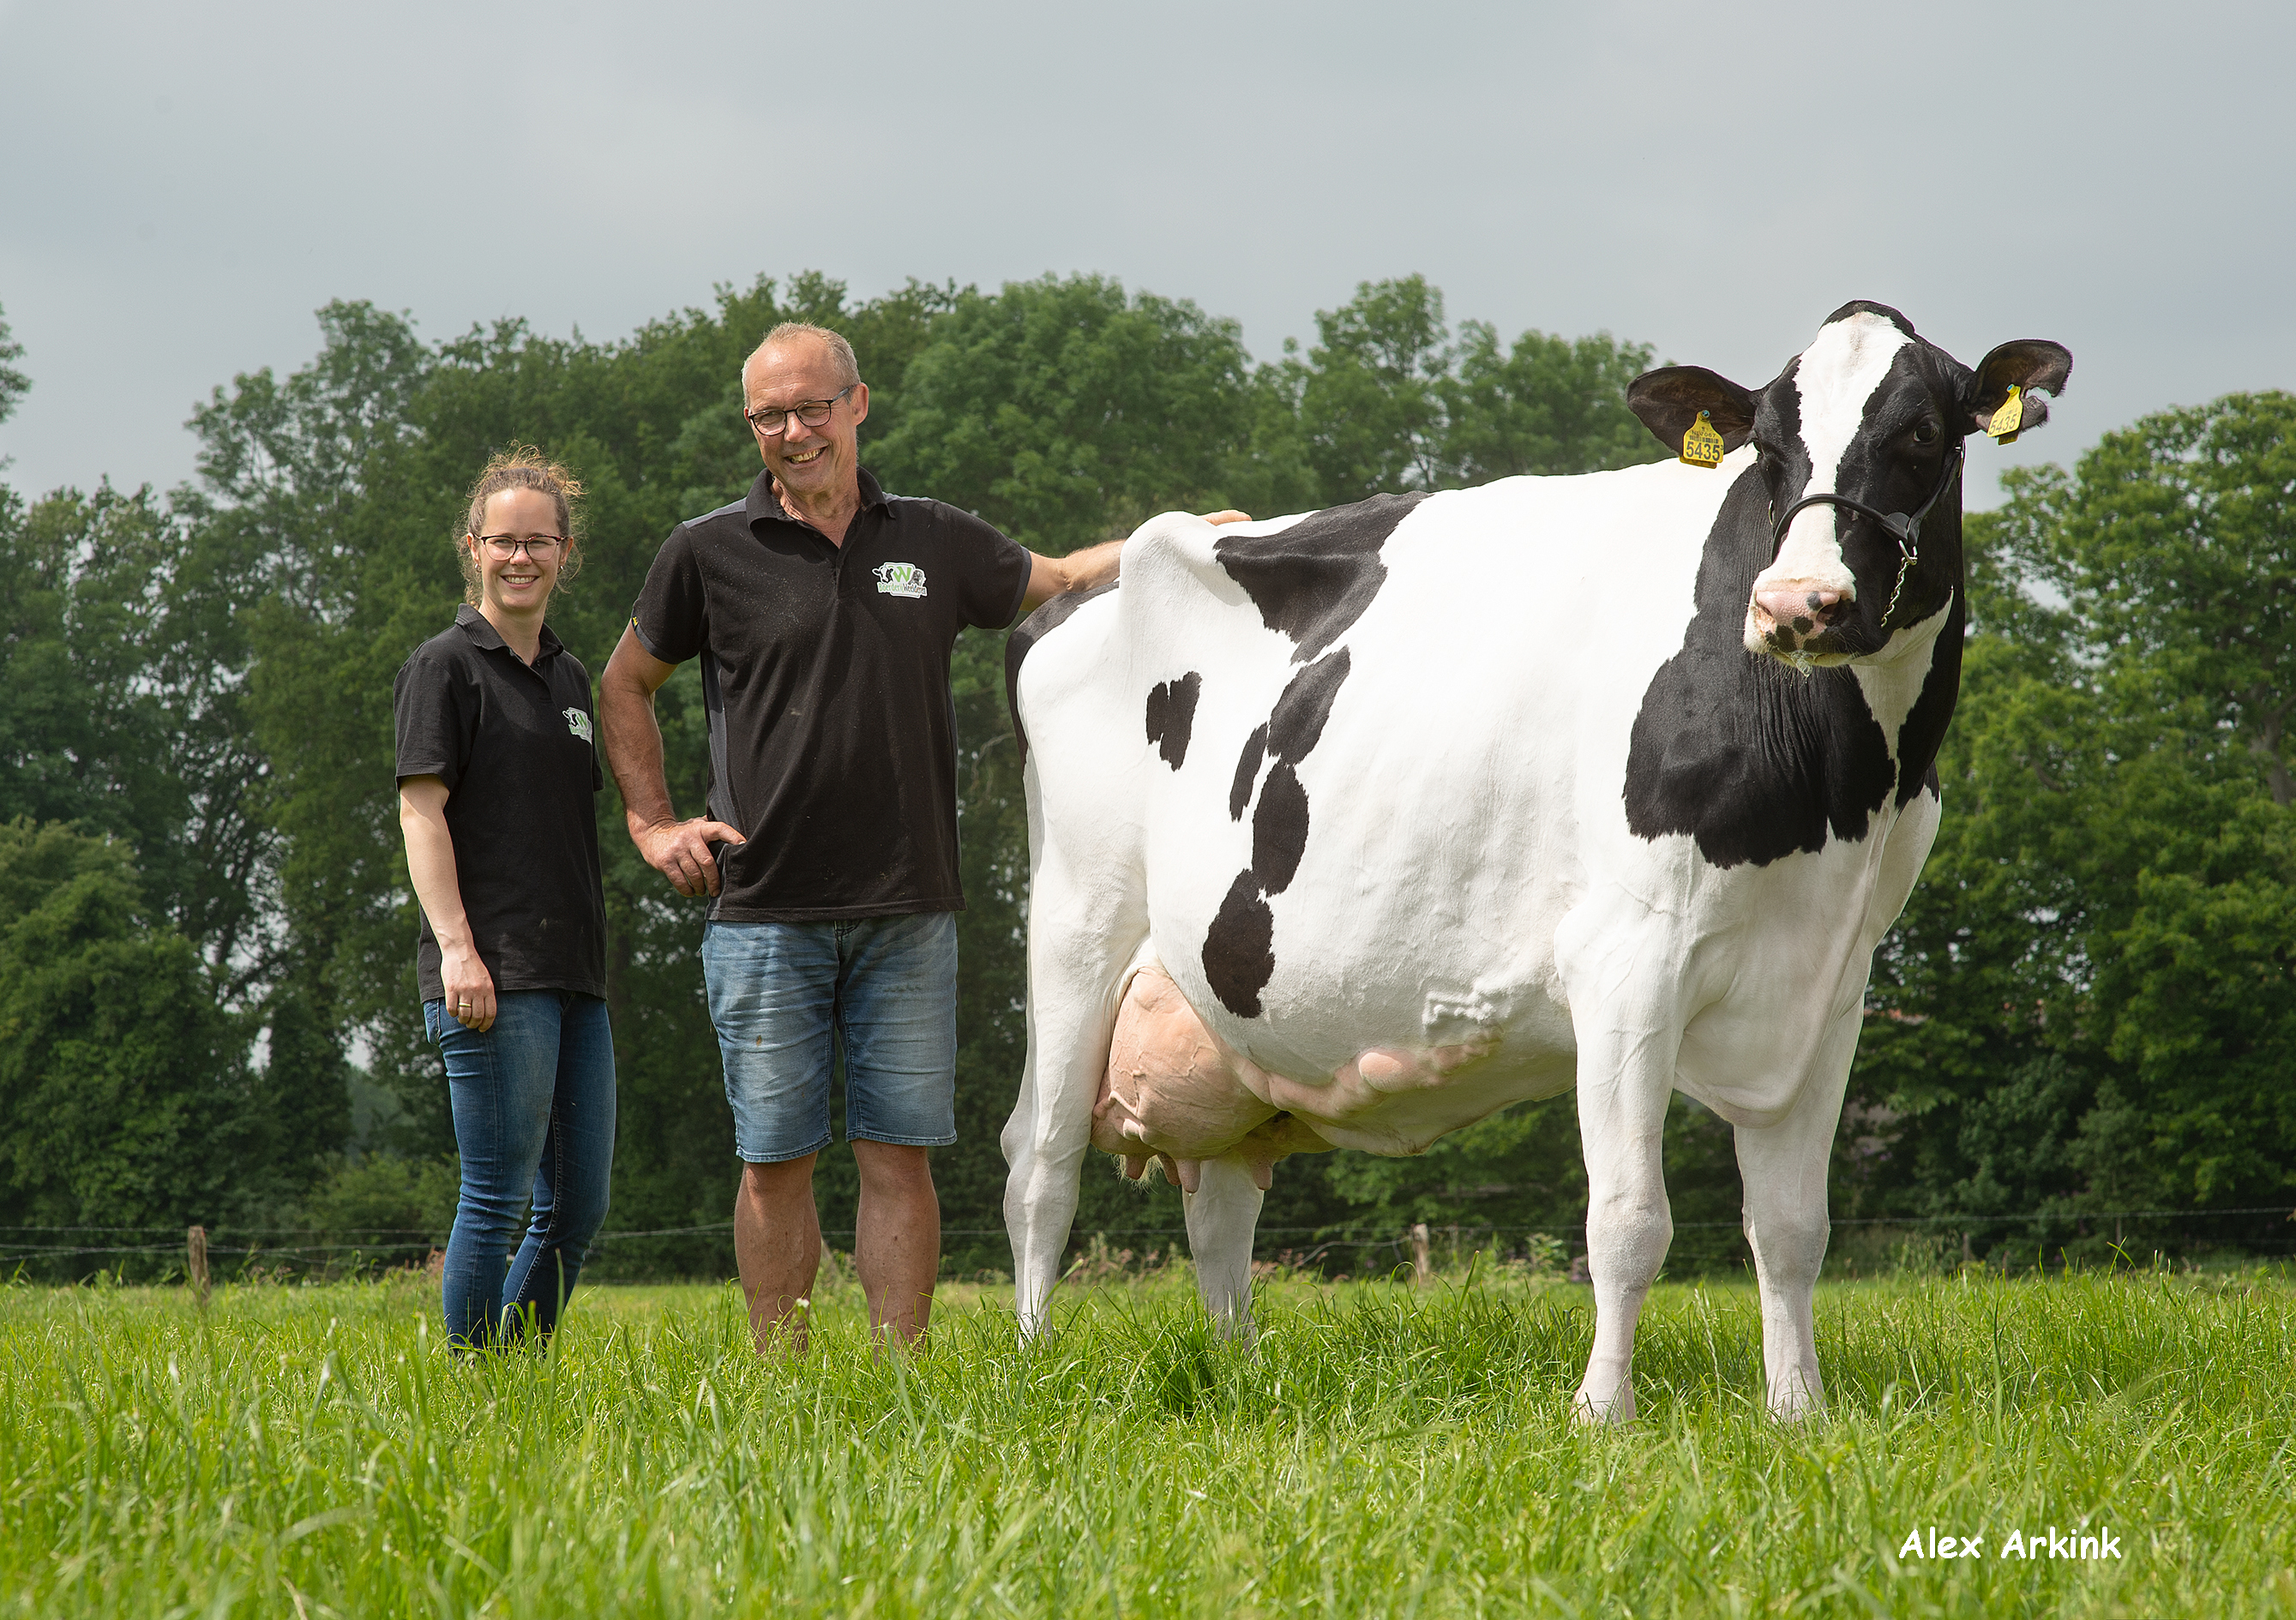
(1925, 433)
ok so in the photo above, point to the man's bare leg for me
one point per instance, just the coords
(897, 1247)
(777, 1244)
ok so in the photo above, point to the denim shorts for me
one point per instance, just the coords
(788, 998)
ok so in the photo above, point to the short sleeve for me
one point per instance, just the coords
(993, 571)
(435, 714)
(586, 701)
(671, 616)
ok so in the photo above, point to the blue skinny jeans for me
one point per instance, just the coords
(534, 1117)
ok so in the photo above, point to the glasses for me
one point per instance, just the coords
(772, 424)
(502, 548)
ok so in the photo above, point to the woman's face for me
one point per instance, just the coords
(521, 581)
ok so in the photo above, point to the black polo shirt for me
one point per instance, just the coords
(516, 746)
(824, 673)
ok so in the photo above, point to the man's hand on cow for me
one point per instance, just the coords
(1227, 514)
(680, 852)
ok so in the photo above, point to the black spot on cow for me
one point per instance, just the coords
(1247, 772)
(1279, 830)
(1752, 759)
(1243, 932)
(1868, 307)
(1924, 731)
(1311, 582)
(1031, 630)
(1172, 715)
(1297, 724)
(1240, 948)
(1314, 579)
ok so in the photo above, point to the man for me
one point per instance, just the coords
(825, 611)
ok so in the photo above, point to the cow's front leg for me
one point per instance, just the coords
(1629, 1226)
(1223, 1212)
(1784, 1166)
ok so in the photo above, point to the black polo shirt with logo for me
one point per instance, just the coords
(516, 746)
(824, 673)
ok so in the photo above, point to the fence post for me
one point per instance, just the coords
(1422, 1270)
(195, 1261)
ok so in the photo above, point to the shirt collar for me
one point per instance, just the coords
(482, 632)
(761, 506)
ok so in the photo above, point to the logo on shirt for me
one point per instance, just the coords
(900, 579)
(578, 723)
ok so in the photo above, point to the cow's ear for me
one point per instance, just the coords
(2028, 363)
(1670, 399)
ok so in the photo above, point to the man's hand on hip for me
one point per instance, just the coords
(680, 852)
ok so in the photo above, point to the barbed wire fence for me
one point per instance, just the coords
(275, 1251)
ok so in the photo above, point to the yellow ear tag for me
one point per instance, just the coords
(2009, 418)
(1702, 446)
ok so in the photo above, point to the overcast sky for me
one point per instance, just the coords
(181, 185)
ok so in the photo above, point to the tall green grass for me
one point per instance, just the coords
(310, 1450)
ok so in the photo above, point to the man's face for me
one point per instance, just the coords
(806, 461)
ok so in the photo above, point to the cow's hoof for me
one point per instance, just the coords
(1797, 1403)
(1616, 1408)
(1233, 1329)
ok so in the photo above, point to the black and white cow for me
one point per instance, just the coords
(1348, 829)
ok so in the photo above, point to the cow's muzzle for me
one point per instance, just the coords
(1790, 616)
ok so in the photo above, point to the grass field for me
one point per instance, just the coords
(309, 1451)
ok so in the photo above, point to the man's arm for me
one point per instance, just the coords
(1095, 565)
(678, 850)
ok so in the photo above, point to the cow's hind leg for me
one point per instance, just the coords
(1784, 1166)
(1223, 1212)
(1073, 988)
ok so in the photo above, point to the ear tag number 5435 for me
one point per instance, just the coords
(1702, 446)
(2009, 418)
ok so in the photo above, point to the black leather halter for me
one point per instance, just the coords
(1906, 531)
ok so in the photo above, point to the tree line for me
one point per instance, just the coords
(207, 1001)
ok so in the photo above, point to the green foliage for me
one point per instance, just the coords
(2089, 1004)
(1064, 412)
(391, 1200)
(13, 384)
(125, 1095)
(1371, 393)
(1388, 400)
(295, 1451)
(1547, 405)
(122, 661)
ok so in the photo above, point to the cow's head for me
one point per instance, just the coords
(1859, 445)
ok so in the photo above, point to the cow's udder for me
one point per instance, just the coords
(1175, 1092)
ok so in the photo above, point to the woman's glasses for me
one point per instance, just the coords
(502, 548)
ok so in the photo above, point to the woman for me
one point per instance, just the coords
(497, 767)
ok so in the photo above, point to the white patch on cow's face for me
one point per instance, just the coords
(1838, 374)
